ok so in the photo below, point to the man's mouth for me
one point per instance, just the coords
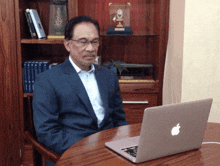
(90, 56)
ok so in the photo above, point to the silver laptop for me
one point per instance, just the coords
(166, 130)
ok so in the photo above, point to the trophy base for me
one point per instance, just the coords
(119, 31)
(55, 36)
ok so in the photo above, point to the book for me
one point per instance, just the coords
(37, 23)
(25, 83)
(30, 71)
(36, 70)
(45, 66)
(32, 76)
(30, 24)
(29, 77)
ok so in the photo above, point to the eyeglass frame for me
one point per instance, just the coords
(87, 42)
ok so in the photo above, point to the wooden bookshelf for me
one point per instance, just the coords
(149, 23)
(147, 45)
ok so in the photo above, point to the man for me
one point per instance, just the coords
(76, 98)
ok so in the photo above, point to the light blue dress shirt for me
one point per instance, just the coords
(89, 81)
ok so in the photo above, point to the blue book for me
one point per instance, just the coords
(36, 69)
(32, 76)
(40, 66)
(25, 79)
(29, 77)
(45, 66)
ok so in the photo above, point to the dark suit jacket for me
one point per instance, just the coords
(62, 110)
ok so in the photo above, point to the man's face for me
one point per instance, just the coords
(83, 47)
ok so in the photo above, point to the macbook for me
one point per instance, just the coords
(166, 130)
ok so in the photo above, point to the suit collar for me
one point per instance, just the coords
(67, 67)
(78, 70)
(103, 88)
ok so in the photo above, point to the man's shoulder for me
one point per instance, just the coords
(103, 69)
(105, 73)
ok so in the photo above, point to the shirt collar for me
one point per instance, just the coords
(78, 70)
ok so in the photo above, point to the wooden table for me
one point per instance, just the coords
(92, 151)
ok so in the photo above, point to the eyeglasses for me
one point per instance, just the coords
(85, 43)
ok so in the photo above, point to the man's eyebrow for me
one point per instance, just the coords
(83, 38)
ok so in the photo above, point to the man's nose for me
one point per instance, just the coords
(90, 47)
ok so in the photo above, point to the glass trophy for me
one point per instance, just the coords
(119, 14)
(57, 19)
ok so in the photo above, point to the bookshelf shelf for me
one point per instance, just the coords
(28, 95)
(60, 41)
(42, 41)
(123, 82)
(135, 34)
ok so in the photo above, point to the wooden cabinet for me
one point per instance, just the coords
(135, 105)
(149, 24)
(136, 97)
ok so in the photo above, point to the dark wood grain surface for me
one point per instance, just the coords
(10, 71)
(92, 151)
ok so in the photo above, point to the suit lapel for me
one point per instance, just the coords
(102, 85)
(72, 77)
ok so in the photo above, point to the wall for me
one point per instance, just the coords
(201, 53)
(173, 67)
(193, 56)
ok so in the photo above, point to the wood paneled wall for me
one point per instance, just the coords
(10, 122)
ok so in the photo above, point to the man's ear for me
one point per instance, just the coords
(67, 45)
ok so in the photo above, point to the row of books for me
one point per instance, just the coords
(34, 23)
(30, 70)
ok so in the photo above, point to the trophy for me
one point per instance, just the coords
(57, 19)
(119, 14)
(119, 17)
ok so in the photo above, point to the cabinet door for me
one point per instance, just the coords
(135, 104)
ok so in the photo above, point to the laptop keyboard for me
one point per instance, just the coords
(131, 150)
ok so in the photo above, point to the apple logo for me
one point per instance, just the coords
(175, 130)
